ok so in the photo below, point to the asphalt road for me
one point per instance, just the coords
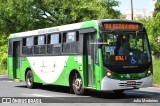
(58, 94)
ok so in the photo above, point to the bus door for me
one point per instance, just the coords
(16, 59)
(89, 48)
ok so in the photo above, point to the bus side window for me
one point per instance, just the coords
(36, 48)
(77, 36)
(64, 37)
(27, 48)
(55, 39)
(48, 39)
(54, 44)
(76, 45)
(23, 46)
(36, 40)
(71, 37)
(10, 47)
(41, 40)
(49, 46)
(24, 41)
(29, 41)
(70, 42)
(40, 47)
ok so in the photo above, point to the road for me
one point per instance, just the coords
(58, 94)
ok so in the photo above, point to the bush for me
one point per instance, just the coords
(3, 59)
(156, 71)
(152, 25)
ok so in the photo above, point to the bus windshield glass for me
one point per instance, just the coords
(125, 48)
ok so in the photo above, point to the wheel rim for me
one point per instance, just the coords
(77, 83)
(29, 80)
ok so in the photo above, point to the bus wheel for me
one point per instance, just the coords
(118, 91)
(77, 84)
(30, 80)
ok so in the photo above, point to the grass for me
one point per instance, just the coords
(156, 71)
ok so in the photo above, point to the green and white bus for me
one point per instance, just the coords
(109, 54)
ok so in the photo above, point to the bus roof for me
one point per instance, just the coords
(67, 27)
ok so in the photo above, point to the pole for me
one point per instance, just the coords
(131, 10)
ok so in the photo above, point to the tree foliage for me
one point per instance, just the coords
(24, 15)
(157, 8)
(3, 52)
(153, 29)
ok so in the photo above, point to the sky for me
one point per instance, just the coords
(148, 5)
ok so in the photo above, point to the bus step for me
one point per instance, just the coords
(17, 80)
(89, 88)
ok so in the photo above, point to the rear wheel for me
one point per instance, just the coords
(76, 85)
(30, 80)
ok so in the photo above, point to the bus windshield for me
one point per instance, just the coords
(125, 48)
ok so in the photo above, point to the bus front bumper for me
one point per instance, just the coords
(112, 84)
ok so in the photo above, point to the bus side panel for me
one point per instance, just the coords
(13, 72)
(73, 63)
(100, 73)
(17, 70)
(10, 67)
(37, 78)
(97, 76)
(24, 66)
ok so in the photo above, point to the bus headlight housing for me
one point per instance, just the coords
(149, 72)
(108, 73)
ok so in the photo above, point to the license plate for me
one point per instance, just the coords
(131, 82)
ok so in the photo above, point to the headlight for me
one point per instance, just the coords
(108, 72)
(149, 72)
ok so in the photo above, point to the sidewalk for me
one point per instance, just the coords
(156, 85)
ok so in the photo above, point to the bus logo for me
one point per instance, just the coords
(6, 100)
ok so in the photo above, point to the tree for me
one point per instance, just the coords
(3, 52)
(153, 29)
(157, 8)
(23, 15)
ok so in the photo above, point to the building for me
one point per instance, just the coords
(137, 13)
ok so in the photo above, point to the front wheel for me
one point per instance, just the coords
(77, 84)
(30, 80)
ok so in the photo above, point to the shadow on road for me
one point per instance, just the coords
(129, 94)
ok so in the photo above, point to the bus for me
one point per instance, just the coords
(103, 55)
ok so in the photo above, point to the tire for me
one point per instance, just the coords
(76, 85)
(30, 80)
(118, 91)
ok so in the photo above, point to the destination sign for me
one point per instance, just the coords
(122, 26)
(121, 58)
